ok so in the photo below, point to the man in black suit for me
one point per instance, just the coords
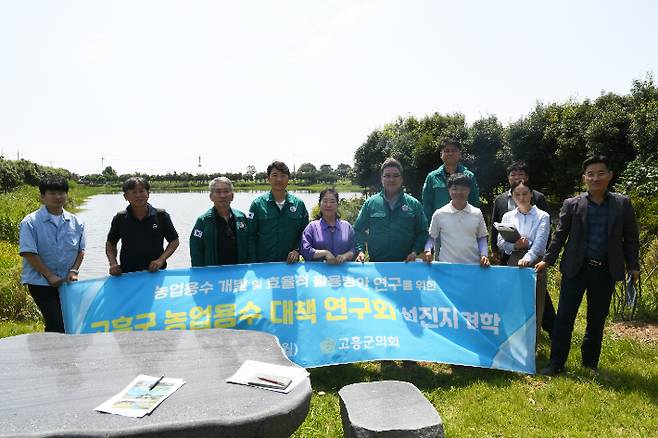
(600, 235)
(516, 172)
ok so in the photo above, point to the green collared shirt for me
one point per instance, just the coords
(203, 239)
(390, 234)
(435, 190)
(274, 232)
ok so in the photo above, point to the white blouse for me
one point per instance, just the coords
(534, 225)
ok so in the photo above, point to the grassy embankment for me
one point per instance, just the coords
(621, 401)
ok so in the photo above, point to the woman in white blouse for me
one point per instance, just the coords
(534, 226)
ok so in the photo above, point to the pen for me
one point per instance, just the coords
(266, 379)
(156, 382)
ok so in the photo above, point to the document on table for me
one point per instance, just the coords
(278, 378)
(141, 396)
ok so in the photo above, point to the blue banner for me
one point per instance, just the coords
(330, 314)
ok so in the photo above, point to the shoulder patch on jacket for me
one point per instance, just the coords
(197, 233)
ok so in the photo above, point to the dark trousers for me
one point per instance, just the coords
(599, 286)
(548, 321)
(47, 299)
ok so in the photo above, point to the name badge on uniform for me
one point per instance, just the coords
(405, 207)
(198, 233)
(241, 225)
(293, 209)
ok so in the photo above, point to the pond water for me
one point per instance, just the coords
(184, 208)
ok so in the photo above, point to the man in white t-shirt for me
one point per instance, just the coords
(458, 228)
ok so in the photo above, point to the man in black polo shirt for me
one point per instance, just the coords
(142, 230)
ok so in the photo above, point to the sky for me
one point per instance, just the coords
(159, 86)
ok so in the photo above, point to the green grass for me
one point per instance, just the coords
(13, 328)
(620, 401)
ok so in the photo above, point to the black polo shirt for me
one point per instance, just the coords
(141, 240)
(227, 244)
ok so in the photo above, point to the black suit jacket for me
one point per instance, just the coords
(500, 208)
(571, 232)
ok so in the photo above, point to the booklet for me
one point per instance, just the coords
(508, 232)
(141, 396)
(279, 378)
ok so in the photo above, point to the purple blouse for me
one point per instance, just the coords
(320, 235)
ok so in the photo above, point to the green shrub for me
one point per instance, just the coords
(15, 300)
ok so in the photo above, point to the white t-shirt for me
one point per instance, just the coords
(458, 231)
(56, 218)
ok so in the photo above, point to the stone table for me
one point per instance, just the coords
(50, 383)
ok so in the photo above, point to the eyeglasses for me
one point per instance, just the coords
(391, 175)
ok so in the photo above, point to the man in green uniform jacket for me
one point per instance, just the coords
(391, 223)
(220, 236)
(435, 190)
(276, 220)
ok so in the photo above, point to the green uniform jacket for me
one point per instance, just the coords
(391, 235)
(273, 233)
(203, 239)
(435, 190)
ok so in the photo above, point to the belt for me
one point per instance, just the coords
(595, 263)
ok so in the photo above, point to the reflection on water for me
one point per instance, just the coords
(184, 208)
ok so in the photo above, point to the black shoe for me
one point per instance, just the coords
(592, 368)
(551, 370)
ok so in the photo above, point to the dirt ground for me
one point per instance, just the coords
(639, 331)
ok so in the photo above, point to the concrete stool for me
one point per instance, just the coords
(387, 409)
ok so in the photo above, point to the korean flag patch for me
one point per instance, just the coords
(250, 215)
(198, 233)
(293, 209)
(405, 207)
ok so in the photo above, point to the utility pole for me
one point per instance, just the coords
(102, 161)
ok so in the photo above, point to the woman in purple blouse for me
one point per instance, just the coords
(328, 238)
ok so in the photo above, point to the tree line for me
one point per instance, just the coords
(553, 139)
(306, 174)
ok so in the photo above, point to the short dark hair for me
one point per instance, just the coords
(595, 159)
(450, 142)
(390, 162)
(135, 181)
(518, 165)
(520, 183)
(459, 179)
(53, 182)
(278, 165)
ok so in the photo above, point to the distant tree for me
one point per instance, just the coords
(10, 177)
(251, 171)
(109, 174)
(344, 170)
(486, 160)
(644, 119)
(307, 173)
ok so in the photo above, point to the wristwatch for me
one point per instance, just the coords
(75, 271)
